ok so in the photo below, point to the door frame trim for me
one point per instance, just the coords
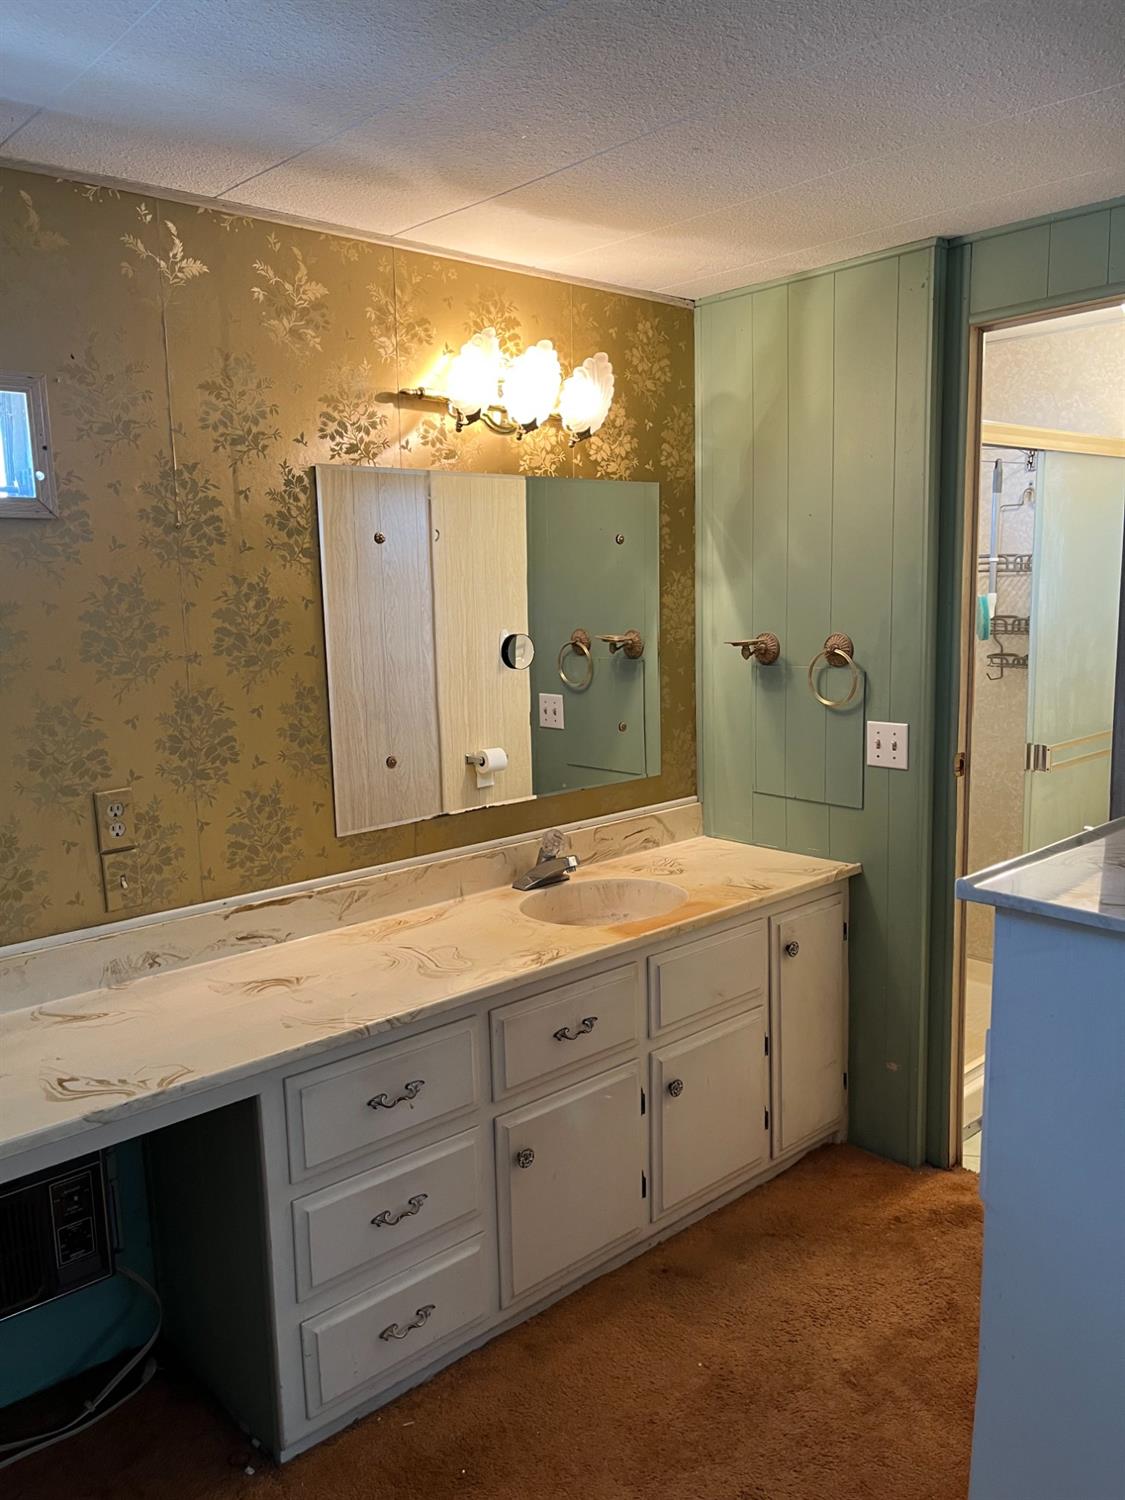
(970, 515)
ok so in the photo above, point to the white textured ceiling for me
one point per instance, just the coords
(665, 145)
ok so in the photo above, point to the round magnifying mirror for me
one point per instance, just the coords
(517, 652)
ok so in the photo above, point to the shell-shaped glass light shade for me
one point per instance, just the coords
(531, 384)
(473, 381)
(586, 395)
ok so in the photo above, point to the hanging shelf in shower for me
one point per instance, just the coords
(1011, 624)
(1006, 562)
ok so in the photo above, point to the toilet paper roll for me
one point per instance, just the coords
(487, 763)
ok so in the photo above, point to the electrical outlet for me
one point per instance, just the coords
(888, 745)
(550, 711)
(113, 813)
(121, 877)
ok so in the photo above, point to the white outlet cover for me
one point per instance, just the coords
(551, 711)
(888, 745)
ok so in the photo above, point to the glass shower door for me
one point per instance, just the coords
(1075, 599)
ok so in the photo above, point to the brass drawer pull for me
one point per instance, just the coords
(393, 1331)
(390, 1217)
(410, 1091)
(584, 1028)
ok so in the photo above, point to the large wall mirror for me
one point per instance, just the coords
(489, 638)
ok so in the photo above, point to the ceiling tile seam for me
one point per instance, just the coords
(701, 114)
(368, 119)
(895, 224)
(94, 61)
(871, 161)
(569, 166)
(692, 115)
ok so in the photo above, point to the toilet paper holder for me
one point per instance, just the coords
(486, 763)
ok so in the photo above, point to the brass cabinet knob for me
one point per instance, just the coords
(525, 1157)
(676, 1087)
(793, 948)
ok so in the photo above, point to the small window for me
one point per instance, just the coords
(27, 485)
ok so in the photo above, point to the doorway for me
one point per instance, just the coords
(1043, 589)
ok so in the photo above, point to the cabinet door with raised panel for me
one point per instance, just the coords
(710, 1098)
(809, 1023)
(570, 1178)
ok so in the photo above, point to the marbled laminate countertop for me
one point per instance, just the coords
(1080, 880)
(71, 1065)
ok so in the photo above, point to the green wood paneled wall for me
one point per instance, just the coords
(1078, 256)
(1067, 260)
(816, 418)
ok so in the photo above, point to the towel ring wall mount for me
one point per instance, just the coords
(838, 651)
(579, 645)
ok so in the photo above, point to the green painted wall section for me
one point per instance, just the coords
(816, 410)
(580, 576)
(1053, 262)
(1061, 261)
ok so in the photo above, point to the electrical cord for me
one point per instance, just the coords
(24, 1447)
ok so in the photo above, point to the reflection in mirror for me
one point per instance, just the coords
(517, 651)
(488, 638)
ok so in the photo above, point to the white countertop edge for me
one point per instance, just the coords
(78, 1127)
(996, 885)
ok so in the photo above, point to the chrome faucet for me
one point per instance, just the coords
(551, 865)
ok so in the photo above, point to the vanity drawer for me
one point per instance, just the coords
(363, 1103)
(363, 1341)
(564, 1027)
(358, 1222)
(700, 976)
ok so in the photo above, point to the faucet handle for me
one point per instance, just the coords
(552, 843)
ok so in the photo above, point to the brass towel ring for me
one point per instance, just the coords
(579, 643)
(838, 652)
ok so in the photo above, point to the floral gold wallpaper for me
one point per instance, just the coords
(165, 629)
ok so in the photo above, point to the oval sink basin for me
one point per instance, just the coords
(603, 903)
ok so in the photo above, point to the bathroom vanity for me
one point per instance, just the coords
(374, 1147)
(1051, 1386)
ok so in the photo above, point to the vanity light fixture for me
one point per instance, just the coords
(515, 395)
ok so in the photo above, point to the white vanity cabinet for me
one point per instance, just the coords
(711, 1119)
(413, 1194)
(570, 1177)
(809, 1022)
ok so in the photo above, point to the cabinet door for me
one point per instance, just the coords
(570, 1178)
(710, 1095)
(809, 1023)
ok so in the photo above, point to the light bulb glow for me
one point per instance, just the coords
(531, 384)
(473, 381)
(586, 395)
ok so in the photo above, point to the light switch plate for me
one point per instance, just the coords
(121, 877)
(550, 711)
(888, 745)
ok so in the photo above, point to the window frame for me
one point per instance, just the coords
(45, 505)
